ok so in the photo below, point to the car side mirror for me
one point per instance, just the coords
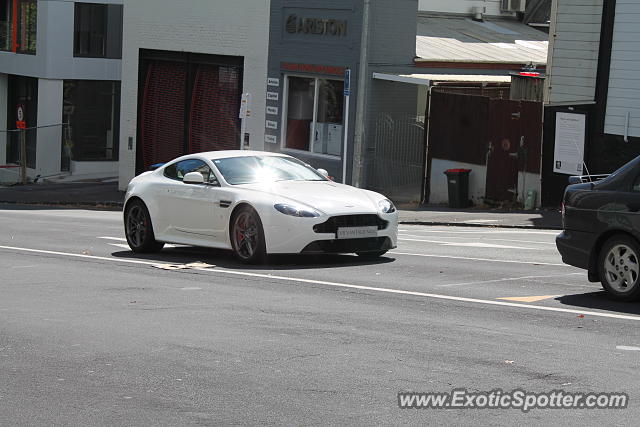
(193, 178)
(323, 172)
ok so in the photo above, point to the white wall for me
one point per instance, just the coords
(624, 87)
(492, 7)
(220, 27)
(574, 45)
(49, 139)
(54, 49)
(477, 182)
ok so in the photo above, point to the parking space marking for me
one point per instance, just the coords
(470, 244)
(492, 231)
(507, 279)
(342, 285)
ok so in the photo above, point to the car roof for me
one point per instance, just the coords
(224, 154)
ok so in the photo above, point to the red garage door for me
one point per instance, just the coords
(188, 108)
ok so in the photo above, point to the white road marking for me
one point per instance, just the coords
(483, 238)
(509, 279)
(470, 245)
(344, 285)
(117, 239)
(627, 348)
(480, 259)
(480, 221)
(121, 239)
(491, 231)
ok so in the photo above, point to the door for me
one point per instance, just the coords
(191, 210)
(505, 136)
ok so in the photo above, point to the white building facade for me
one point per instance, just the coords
(185, 69)
(60, 66)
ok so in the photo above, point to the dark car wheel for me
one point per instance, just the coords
(247, 236)
(139, 230)
(371, 255)
(619, 267)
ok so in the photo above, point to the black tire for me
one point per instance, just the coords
(619, 268)
(247, 236)
(139, 230)
(371, 255)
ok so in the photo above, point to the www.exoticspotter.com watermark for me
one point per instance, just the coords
(516, 399)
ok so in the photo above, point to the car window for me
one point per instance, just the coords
(256, 169)
(178, 170)
(636, 185)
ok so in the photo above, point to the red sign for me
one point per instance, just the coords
(20, 124)
(310, 68)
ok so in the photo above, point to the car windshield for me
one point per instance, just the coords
(259, 169)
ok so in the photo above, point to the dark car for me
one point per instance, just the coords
(601, 222)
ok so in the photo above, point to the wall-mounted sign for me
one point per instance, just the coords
(272, 96)
(319, 26)
(20, 123)
(245, 106)
(271, 124)
(310, 68)
(274, 82)
(271, 139)
(570, 137)
(272, 111)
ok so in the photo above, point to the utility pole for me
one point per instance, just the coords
(358, 140)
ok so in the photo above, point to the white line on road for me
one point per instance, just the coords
(343, 285)
(509, 279)
(627, 348)
(486, 231)
(117, 239)
(470, 245)
(480, 259)
(483, 238)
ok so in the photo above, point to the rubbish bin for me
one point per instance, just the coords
(458, 183)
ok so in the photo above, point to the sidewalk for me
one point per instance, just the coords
(106, 196)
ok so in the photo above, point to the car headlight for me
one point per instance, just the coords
(386, 206)
(298, 211)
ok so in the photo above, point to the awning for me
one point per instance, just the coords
(434, 79)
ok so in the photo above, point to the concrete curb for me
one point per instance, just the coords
(92, 205)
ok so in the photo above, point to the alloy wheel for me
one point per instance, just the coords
(136, 226)
(245, 235)
(621, 268)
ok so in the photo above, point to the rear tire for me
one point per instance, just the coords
(619, 268)
(139, 230)
(371, 255)
(247, 236)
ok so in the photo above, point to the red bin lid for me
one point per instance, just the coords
(457, 171)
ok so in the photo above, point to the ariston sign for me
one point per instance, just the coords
(319, 26)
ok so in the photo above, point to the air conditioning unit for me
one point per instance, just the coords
(513, 5)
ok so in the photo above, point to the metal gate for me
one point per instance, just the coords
(395, 159)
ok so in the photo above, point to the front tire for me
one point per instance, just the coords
(247, 236)
(619, 268)
(139, 229)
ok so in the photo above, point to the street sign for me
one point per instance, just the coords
(347, 82)
(20, 123)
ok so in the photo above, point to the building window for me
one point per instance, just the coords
(92, 111)
(27, 25)
(98, 30)
(5, 24)
(23, 91)
(18, 25)
(314, 115)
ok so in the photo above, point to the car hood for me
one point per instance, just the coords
(326, 196)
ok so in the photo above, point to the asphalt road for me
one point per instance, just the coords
(91, 334)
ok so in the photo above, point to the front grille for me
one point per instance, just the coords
(372, 244)
(335, 222)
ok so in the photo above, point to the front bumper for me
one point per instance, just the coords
(292, 235)
(576, 247)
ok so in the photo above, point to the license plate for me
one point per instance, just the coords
(357, 232)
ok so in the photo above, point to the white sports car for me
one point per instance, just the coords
(255, 203)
